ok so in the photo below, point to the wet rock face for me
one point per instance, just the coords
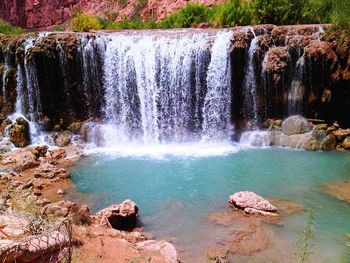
(276, 63)
(19, 133)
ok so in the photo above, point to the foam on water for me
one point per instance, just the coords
(164, 151)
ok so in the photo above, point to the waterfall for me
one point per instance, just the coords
(32, 85)
(28, 93)
(250, 86)
(92, 51)
(217, 105)
(296, 92)
(19, 107)
(165, 88)
(62, 60)
(4, 76)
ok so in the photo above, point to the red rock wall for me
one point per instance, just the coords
(46, 13)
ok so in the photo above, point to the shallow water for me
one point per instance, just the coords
(176, 192)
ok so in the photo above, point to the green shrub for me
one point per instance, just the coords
(84, 22)
(279, 12)
(231, 13)
(58, 28)
(341, 14)
(317, 11)
(190, 15)
(7, 29)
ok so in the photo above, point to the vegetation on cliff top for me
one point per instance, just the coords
(230, 13)
(7, 29)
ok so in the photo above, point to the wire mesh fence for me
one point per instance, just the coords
(52, 246)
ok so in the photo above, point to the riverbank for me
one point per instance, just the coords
(33, 184)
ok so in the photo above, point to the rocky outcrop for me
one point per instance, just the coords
(252, 203)
(299, 133)
(49, 171)
(25, 158)
(19, 133)
(276, 62)
(121, 216)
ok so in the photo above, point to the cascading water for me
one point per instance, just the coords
(157, 87)
(28, 93)
(92, 51)
(296, 92)
(250, 86)
(4, 76)
(217, 105)
(167, 89)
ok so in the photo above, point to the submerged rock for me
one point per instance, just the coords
(19, 133)
(295, 125)
(339, 190)
(121, 216)
(247, 234)
(252, 203)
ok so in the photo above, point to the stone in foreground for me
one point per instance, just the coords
(121, 216)
(252, 203)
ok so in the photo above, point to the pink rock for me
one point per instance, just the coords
(247, 199)
(121, 216)
(47, 170)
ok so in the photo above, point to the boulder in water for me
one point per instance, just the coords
(121, 216)
(295, 125)
(251, 203)
(19, 133)
(62, 139)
